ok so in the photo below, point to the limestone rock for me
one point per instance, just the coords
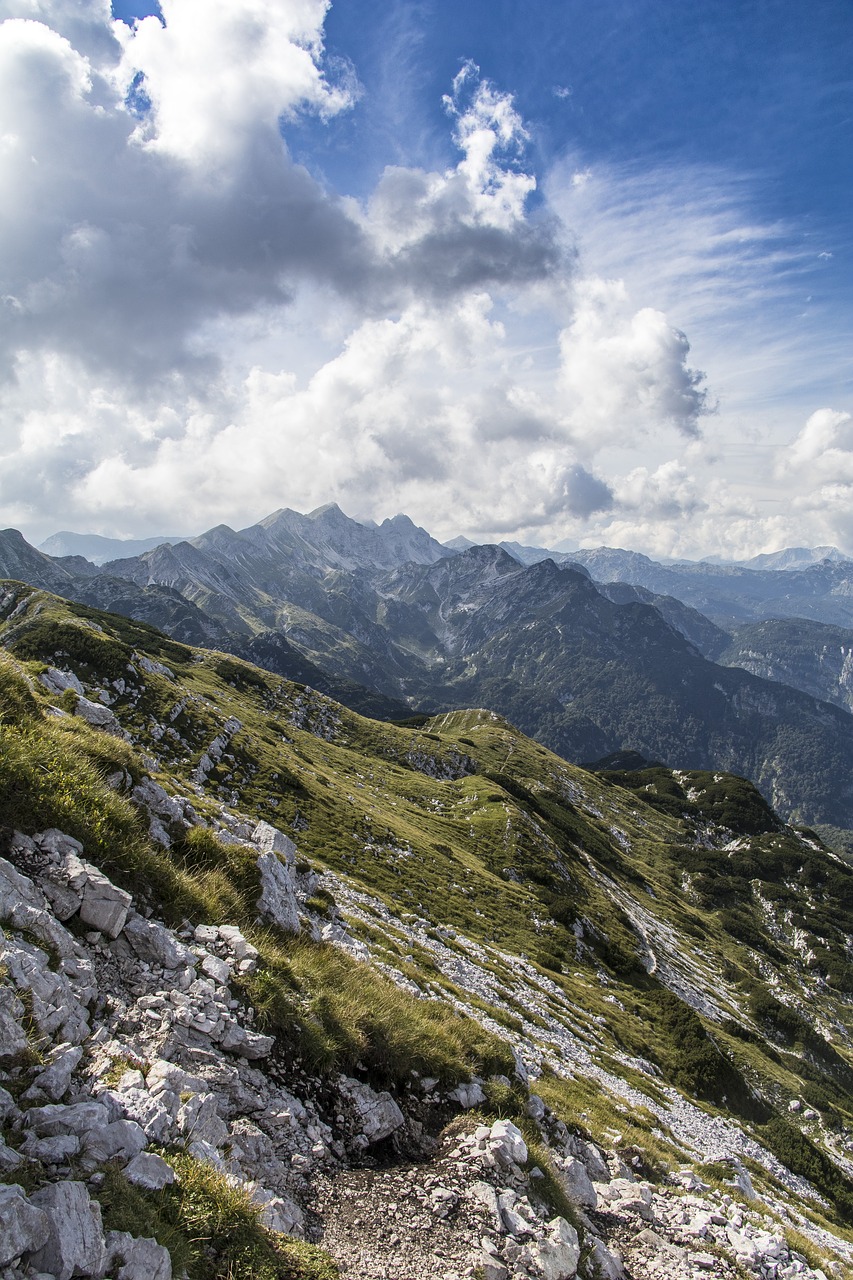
(23, 1226)
(136, 1259)
(506, 1143)
(558, 1254)
(98, 716)
(149, 1171)
(75, 1240)
(270, 840)
(155, 944)
(377, 1113)
(576, 1183)
(104, 905)
(278, 894)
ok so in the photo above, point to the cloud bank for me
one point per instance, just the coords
(456, 356)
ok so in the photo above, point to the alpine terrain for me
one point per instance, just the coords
(291, 993)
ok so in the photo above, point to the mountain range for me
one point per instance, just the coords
(392, 622)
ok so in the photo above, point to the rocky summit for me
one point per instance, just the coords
(287, 993)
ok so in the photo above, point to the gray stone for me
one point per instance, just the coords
(56, 1078)
(278, 901)
(104, 905)
(270, 840)
(604, 1263)
(55, 1150)
(377, 1113)
(23, 1226)
(75, 1241)
(217, 969)
(156, 945)
(80, 1118)
(149, 1171)
(199, 1119)
(468, 1095)
(148, 1112)
(121, 1140)
(136, 1259)
(506, 1143)
(8, 1106)
(558, 1254)
(13, 1037)
(56, 681)
(248, 1044)
(576, 1183)
(485, 1194)
(9, 1158)
(98, 716)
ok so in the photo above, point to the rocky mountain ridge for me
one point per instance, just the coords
(388, 621)
(286, 990)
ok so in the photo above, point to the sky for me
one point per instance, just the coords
(568, 273)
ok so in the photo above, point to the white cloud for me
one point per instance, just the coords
(218, 74)
(625, 372)
(455, 359)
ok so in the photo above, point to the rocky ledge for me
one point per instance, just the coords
(127, 1048)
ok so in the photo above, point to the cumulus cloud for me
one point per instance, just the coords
(625, 371)
(478, 373)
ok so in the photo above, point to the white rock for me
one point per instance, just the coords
(468, 1095)
(149, 1171)
(54, 1150)
(104, 905)
(199, 1119)
(75, 1241)
(278, 901)
(270, 840)
(156, 945)
(13, 1037)
(56, 681)
(557, 1256)
(604, 1263)
(121, 1140)
(98, 716)
(137, 1259)
(56, 1078)
(217, 969)
(148, 1112)
(506, 1143)
(23, 1226)
(248, 1044)
(485, 1194)
(378, 1114)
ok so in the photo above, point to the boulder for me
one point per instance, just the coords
(13, 1037)
(248, 1044)
(121, 1140)
(506, 1143)
(23, 1226)
(149, 1171)
(75, 1240)
(155, 944)
(270, 840)
(576, 1183)
(278, 894)
(558, 1254)
(104, 905)
(98, 716)
(55, 1080)
(468, 1095)
(377, 1114)
(136, 1259)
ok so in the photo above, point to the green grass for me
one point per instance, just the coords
(516, 853)
(209, 1227)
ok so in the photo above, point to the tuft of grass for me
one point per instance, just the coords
(335, 1012)
(211, 1228)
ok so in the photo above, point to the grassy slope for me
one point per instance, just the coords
(466, 824)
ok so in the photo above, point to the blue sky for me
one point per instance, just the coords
(563, 271)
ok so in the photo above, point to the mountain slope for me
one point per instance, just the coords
(649, 980)
(811, 656)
